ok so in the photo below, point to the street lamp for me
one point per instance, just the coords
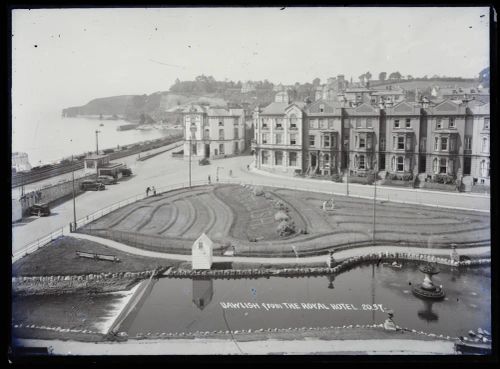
(97, 141)
(193, 130)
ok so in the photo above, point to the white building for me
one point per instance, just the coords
(213, 132)
(20, 162)
(202, 251)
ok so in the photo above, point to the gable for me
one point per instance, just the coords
(403, 108)
(364, 108)
(447, 106)
(293, 109)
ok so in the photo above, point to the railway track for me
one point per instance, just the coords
(20, 179)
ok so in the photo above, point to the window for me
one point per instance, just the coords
(264, 124)
(326, 160)
(393, 164)
(279, 124)
(362, 143)
(323, 124)
(292, 159)
(400, 164)
(452, 122)
(382, 144)
(322, 108)
(265, 138)
(293, 139)
(206, 134)
(436, 143)
(326, 141)
(485, 145)
(278, 158)
(408, 122)
(369, 142)
(358, 122)
(435, 166)
(278, 138)
(265, 157)
(408, 143)
(220, 123)
(401, 142)
(444, 144)
(313, 123)
(236, 133)
(311, 140)
(293, 121)
(442, 166)
(438, 123)
(468, 143)
(90, 164)
(486, 123)
(369, 123)
(362, 162)
(221, 149)
(221, 134)
(396, 123)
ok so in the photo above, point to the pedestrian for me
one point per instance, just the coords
(154, 191)
(248, 167)
(147, 191)
(230, 173)
(209, 180)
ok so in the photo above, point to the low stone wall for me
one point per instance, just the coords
(339, 268)
(103, 282)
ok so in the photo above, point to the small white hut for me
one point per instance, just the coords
(202, 250)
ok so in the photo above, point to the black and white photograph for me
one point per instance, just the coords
(250, 181)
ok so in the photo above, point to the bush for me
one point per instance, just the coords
(336, 178)
(281, 216)
(258, 191)
(285, 228)
(444, 179)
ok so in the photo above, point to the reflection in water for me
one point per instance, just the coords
(426, 313)
(203, 291)
(331, 278)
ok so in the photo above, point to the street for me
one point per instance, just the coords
(163, 170)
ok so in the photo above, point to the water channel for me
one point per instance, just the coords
(185, 305)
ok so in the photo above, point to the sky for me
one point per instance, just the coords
(66, 57)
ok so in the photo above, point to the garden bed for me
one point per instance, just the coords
(439, 186)
(397, 183)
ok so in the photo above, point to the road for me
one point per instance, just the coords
(163, 170)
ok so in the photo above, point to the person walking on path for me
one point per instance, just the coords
(147, 191)
(154, 191)
(248, 167)
(209, 180)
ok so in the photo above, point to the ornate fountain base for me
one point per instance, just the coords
(434, 292)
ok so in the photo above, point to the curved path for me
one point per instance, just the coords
(340, 255)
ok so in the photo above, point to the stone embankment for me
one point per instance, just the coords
(58, 284)
(347, 264)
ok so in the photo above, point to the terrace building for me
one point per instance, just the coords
(361, 138)
(446, 127)
(278, 136)
(323, 132)
(477, 147)
(211, 132)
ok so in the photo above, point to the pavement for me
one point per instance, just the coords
(340, 255)
(264, 347)
(163, 170)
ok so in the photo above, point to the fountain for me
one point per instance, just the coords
(427, 289)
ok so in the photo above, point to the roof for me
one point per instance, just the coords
(403, 108)
(357, 89)
(388, 92)
(363, 110)
(331, 107)
(447, 107)
(275, 108)
(481, 109)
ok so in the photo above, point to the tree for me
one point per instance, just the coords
(409, 77)
(395, 75)
(382, 76)
(316, 82)
(368, 76)
(362, 78)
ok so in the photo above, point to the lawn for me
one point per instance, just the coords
(59, 258)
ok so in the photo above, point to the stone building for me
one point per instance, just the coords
(477, 147)
(213, 133)
(278, 139)
(323, 132)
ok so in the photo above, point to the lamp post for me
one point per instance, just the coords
(97, 141)
(193, 130)
(74, 201)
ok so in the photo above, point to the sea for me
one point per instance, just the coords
(49, 137)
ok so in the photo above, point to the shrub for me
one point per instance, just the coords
(444, 179)
(336, 178)
(281, 216)
(258, 191)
